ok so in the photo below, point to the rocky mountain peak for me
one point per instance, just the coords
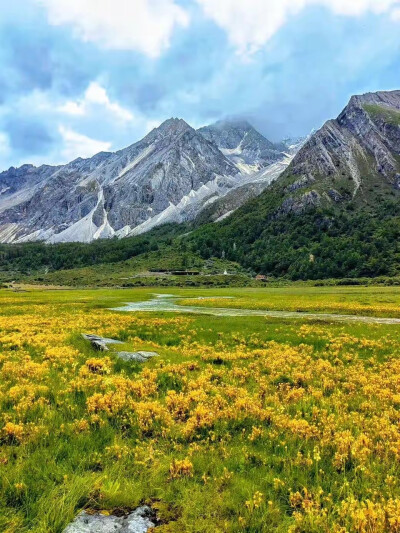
(172, 126)
(110, 193)
(229, 133)
(242, 144)
(168, 176)
(232, 124)
(384, 98)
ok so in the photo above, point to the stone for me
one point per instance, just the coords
(140, 357)
(139, 521)
(100, 346)
(335, 195)
(100, 343)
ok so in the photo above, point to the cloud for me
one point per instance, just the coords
(251, 24)
(5, 148)
(141, 25)
(96, 95)
(396, 14)
(77, 145)
(299, 77)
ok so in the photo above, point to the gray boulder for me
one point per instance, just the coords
(139, 521)
(140, 357)
(99, 343)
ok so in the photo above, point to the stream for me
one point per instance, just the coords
(169, 303)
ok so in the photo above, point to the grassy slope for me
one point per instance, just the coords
(350, 238)
(139, 271)
(390, 116)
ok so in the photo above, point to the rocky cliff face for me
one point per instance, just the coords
(360, 146)
(334, 211)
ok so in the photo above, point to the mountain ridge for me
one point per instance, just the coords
(332, 212)
(168, 176)
(359, 137)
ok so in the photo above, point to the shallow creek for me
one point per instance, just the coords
(170, 303)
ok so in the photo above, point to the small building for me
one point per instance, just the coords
(185, 272)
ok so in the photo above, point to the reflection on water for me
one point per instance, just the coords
(169, 303)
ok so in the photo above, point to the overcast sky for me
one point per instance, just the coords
(81, 76)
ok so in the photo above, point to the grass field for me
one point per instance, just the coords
(375, 301)
(243, 424)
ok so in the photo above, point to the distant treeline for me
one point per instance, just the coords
(31, 257)
(337, 242)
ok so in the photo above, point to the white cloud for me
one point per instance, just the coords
(5, 151)
(251, 23)
(4, 145)
(96, 95)
(142, 25)
(396, 14)
(78, 145)
(72, 108)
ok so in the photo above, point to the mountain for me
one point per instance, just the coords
(243, 145)
(171, 175)
(110, 192)
(334, 212)
(330, 211)
(247, 187)
(347, 154)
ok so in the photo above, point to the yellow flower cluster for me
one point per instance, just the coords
(180, 469)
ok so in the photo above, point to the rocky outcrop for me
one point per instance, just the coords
(299, 204)
(139, 521)
(139, 357)
(100, 343)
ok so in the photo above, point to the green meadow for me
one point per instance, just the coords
(242, 424)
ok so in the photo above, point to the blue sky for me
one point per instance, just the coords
(80, 76)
